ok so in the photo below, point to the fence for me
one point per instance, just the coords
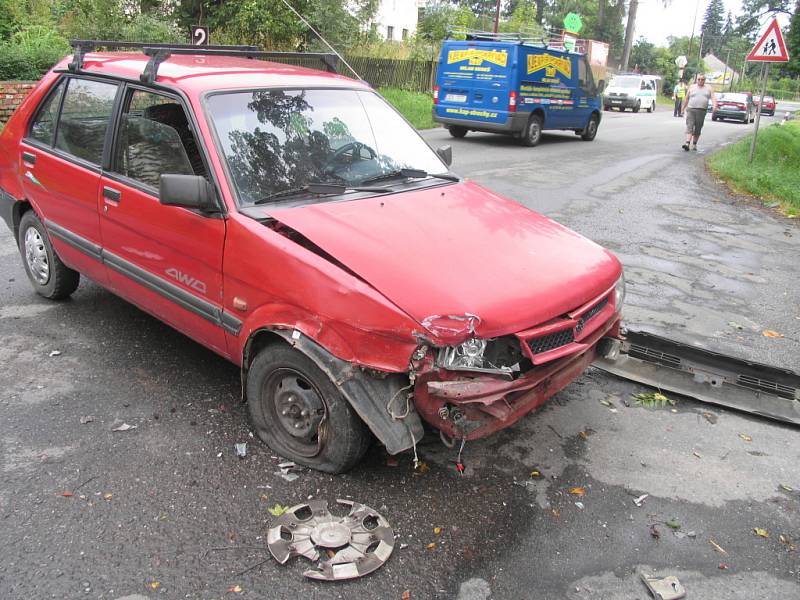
(412, 75)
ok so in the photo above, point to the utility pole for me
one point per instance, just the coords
(629, 29)
(497, 17)
(694, 23)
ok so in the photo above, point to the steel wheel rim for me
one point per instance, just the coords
(36, 256)
(534, 132)
(592, 127)
(297, 409)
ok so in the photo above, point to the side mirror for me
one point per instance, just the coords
(188, 191)
(601, 85)
(446, 154)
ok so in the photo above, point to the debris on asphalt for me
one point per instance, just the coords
(717, 547)
(290, 477)
(55, 353)
(108, 496)
(287, 465)
(277, 510)
(406, 595)
(437, 530)
(67, 494)
(421, 467)
(430, 546)
(341, 547)
(579, 505)
(673, 524)
(771, 334)
(786, 488)
(610, 405)
(577, 491)
(640, 500)
(735, 325)
(679, 534)
(241, 449)
(761, 532)
(154, 585)
(234, 589)
(664, 588)
(654, 532)
(391, 461)
(787, 542)
(697, 454)
(87, 419)
(536, 475)
(653, 400)
(123, 427)
(710, 417)
(745, 437)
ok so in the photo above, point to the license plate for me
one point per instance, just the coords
(455, 98)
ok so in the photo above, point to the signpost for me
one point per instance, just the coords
(572, 26)
(199, 35)
(768, 49)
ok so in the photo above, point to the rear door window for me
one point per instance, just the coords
(85, 115)
(43, 127)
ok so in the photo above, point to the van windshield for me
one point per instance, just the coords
(279, 140)
(625, 82)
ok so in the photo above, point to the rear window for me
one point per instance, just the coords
(85, 113)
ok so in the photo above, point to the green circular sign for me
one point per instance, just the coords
(572, 22)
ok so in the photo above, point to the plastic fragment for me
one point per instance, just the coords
(55, 353)
(241, 449)
(664, 588)
(123, 427)
(640, 500)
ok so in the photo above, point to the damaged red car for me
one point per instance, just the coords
(292, 221)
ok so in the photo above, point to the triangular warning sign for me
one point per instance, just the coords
(771, 47)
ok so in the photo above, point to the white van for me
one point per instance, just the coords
(631, 90)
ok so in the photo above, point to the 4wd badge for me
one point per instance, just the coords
(550, 63)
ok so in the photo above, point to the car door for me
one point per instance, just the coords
(61, 160)
(165, 259)
(584, 93)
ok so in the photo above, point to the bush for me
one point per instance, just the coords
(31, 52)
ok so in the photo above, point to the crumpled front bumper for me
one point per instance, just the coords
(471, 406)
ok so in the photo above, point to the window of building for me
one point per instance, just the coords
(405, 34)
(390, 33)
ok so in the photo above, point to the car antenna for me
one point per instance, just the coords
(319, 35)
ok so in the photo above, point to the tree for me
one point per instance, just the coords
(793, 42)
(748, 23)
(712, 28)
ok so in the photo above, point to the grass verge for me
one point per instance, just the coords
(414, 106)
(774, 175)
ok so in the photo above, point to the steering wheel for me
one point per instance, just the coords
(354, 149)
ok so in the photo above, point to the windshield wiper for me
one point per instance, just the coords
(319, 189)
(410, 174)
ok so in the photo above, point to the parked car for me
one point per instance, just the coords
(767, 105)
(294, 223)
(633, 91)
(486, 83)
(735, 105)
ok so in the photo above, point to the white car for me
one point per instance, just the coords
(631, 90)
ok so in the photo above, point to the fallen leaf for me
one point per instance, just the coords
(717, 547)
(108, 496)
(154, 585)
(66, 494)
(264, 497)
(277, 510)
(745, 437)
(771, 334)
(653, 400)
(422, 467)
(236, 589)
(583, 435)
(430, 546)
(577, 491)
(535, 474)
(556, 513)
(761, 532)
(406, 595)
(673, 524)
(437, 530)
(786, 488)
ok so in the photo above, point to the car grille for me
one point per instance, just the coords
(590, 313)
(551, 341)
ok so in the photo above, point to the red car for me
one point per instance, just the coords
(768, 105)
(292, 221)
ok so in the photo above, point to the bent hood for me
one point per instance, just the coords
(460, 250)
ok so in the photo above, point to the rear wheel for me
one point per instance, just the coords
(299, 412)
(590, 131)
(532, 134)
(49, 276)
(652, 107)
(457, 131)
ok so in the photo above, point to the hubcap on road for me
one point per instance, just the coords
(36, 256)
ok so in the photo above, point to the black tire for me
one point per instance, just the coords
(638, 106)
(714, 118)
(330, 437)
(52, 279)
(532, 134)
(457, 131)
(590, 132)
(652, 107)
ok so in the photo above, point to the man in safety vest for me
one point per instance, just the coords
(678, 94)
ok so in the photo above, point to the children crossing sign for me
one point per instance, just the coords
(770, 47)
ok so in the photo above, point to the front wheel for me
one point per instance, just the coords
(457, 131)
(49, 276)
(532, 134)
(590, 131)
(652, 107)
(300, 413)
(638, 106)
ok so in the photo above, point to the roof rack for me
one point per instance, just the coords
(159, 52)
(477, 35)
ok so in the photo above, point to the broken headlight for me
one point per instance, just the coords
(498, 355)
(467, 355)
(619, 292)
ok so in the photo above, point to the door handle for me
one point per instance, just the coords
(111, 194)
(29, 157)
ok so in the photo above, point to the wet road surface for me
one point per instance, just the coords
(167, 510)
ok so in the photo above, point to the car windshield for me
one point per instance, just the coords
(280, 140)
(626, 82)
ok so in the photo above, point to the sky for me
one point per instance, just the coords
(656, 23)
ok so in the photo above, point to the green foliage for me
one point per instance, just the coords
(793, 42)
(711, 29)
(414, 106)
(30, 52)
(775, 171)
(653, 400)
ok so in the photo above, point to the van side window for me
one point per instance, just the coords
(43, 127)
(84, 119)
(582, 73)
(155, 138)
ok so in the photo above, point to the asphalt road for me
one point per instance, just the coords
(167, 510)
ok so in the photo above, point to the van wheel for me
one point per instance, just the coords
(457, 131)
(532, 134)
(299, 412)
(652, 107)
(638, 106)
(49, 276)
(590, 132)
